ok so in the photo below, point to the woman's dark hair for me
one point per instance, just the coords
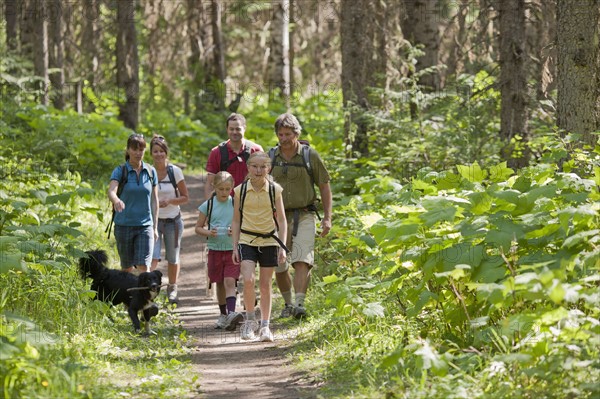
(135, 141)
(161, 142)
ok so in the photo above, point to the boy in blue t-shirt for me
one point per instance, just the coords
(214, 222)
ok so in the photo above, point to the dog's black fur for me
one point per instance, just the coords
(113, 286)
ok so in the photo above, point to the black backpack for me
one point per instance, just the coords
(226, 162)
(305, 157)
(123, 181)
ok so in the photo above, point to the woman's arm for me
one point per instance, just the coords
(118, 205)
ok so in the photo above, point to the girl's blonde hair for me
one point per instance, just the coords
(260, 154)
(223, 177)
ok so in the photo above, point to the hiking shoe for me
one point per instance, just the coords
(266, 335)
(288, 311)
(221, 321)
(299, 312)
(249, 330)
(172, 293)
(232, 320)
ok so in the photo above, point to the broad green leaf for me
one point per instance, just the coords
(472, 173)
(429, 359)
(557, 293)
(426, 187)
(500, 172)
(373, 309)
(62, 198)
(578, 238)
(11, 261)
(443, 213)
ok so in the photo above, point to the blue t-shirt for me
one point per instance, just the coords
(221, 216)
(136, 195)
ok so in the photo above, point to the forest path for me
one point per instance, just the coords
(229, 367)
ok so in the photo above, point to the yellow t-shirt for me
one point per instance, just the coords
(257, 214)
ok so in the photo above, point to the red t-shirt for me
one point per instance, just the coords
(238, 169)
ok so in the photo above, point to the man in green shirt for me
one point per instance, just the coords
(298, 179)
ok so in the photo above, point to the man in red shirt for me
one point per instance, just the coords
(238, 151)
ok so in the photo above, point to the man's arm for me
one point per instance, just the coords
(326, 197)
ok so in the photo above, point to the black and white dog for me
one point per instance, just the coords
(116, 286)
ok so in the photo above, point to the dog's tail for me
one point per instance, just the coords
(93, 264)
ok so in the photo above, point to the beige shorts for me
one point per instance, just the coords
(302, 246)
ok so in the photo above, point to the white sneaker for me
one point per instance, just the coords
(232, 320)
(172, 293)
(221, 321)
(249, 330)
(266, 335)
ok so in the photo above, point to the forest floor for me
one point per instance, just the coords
(228, 366)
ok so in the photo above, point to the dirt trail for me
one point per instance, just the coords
(229, 367)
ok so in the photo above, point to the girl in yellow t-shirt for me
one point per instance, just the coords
(258, 222)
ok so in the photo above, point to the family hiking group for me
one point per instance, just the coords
(258, 208)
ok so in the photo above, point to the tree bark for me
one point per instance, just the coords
(578, 34)
(90, 46)
(513, 83)
(11, 9)
(127, 63)
(279, 65)
(420, 26)
(56, 58)
(40, 48)
(362, 67)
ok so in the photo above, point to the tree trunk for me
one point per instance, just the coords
(279, 64)
(198, 88)
(56, 58)
(543, 48)
(11, 9)
(220, 72)
(513, 83)
(362, 67)
(127, 63)
(578, 68)
(40, 48)
(420, 26)
(90, 44)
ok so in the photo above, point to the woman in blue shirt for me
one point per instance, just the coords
(136, 206)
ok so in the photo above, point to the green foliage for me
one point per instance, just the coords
(474, 281)
(55, 341)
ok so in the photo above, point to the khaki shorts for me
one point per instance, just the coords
(302, 246)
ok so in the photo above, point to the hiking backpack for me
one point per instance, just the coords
(123, 181)
(305, 158)
(226, 162)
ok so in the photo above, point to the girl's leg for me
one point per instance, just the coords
(247, 272)
(221, 297)
(266, 281)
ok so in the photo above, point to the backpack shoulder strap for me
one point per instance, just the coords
(272, 157)
(243, 191)
(224, 164)
(248, 145)
(171, 174)
(273, 208)
(209, 209)
(306, 158)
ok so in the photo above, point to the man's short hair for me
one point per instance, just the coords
(288, 120)
(236, 117)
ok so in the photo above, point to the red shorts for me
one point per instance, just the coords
(220, 265)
